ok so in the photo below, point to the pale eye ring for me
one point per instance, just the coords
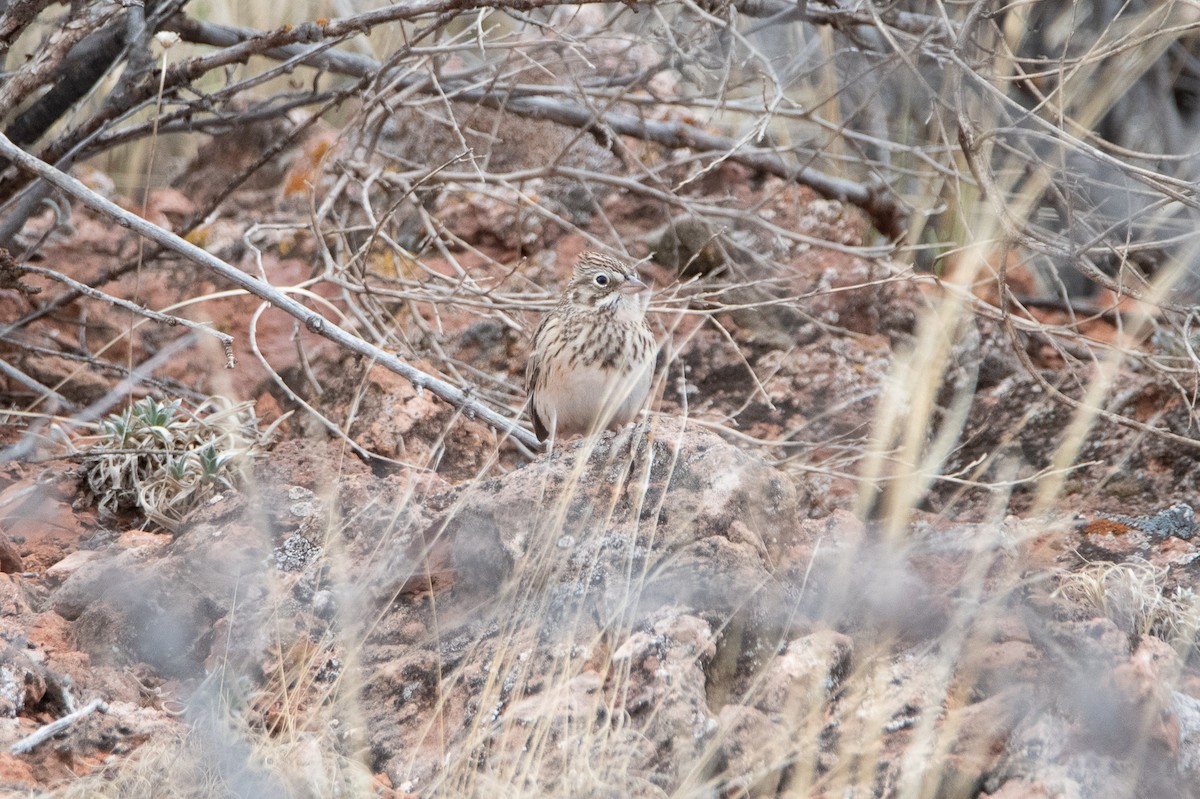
(601, 280)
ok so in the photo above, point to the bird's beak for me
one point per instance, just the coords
(633, 285)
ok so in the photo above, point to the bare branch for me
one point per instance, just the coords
(888, 216)
(16, 374)
(16, 18)
(167, 319)
(877, 201)
(36, 739)
(313, 321)
(48, 58)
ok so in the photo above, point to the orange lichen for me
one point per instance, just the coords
(1105, 527)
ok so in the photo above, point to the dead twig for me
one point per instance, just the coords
(315, 322)
(45, 733)
(16, 18)
(17, 219)
(277, 42)
(167, 319)
(140, 374)
(137, 376)
(12, 372)
(90, 18)
(888, 216)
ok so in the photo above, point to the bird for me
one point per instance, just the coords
(593, 355)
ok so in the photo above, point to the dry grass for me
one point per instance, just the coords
(975, 209)
(1135, 596)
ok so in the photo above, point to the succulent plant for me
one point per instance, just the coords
(164, 460)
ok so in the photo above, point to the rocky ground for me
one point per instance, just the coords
(707, 605)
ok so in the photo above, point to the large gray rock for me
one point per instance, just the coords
(635, 520)
(594, 591)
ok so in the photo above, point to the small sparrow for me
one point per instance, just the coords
(593, 355)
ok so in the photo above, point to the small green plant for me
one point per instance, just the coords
(164, 460)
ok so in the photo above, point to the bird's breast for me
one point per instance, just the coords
(600, 382)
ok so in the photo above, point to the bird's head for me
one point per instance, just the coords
(601, 282)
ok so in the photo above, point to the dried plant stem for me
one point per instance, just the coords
(136, 376)
(168, 319)
(12, 372)
(16, 17)
(312, 320)
(32, 741)
(140, 374)
(888, 216)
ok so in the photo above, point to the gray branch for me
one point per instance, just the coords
(13, 373)
(43, 734)
(312, 320)
(888, 216)
(167, 319)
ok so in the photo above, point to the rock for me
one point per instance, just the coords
(160, 609)
(1001, 664)
(143, 540)
(324, 604)
(690, 246)
(981, 731)
(1179, 520)
(1043, 752)
(1112, 729)
(40, 520)
(1024, 789)
(798, 682)
(72, 563)
(22, 682)
(392, 419)
(578, 698)
(10, 559)
(753, 751)
(14, 597)
(665, 696)
(699, 518)
(614, 557)
(560, 722)
(1186, 711)
(295, 553)
(16, 775)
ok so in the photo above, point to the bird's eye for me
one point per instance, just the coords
(601, 279)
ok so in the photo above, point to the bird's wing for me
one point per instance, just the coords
(533, 372)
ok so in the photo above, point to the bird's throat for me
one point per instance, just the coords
(627, 308)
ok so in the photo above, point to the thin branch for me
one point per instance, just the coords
(35, 739)
(313, 321)
(23, 448)
(48, 57)
(217, 35)
(13, 373)
(279, 42)
(888, 216)
(78, 355)
(16, 18)
(13, 225)
(139, 374)
(167, 319)
(80, 71)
